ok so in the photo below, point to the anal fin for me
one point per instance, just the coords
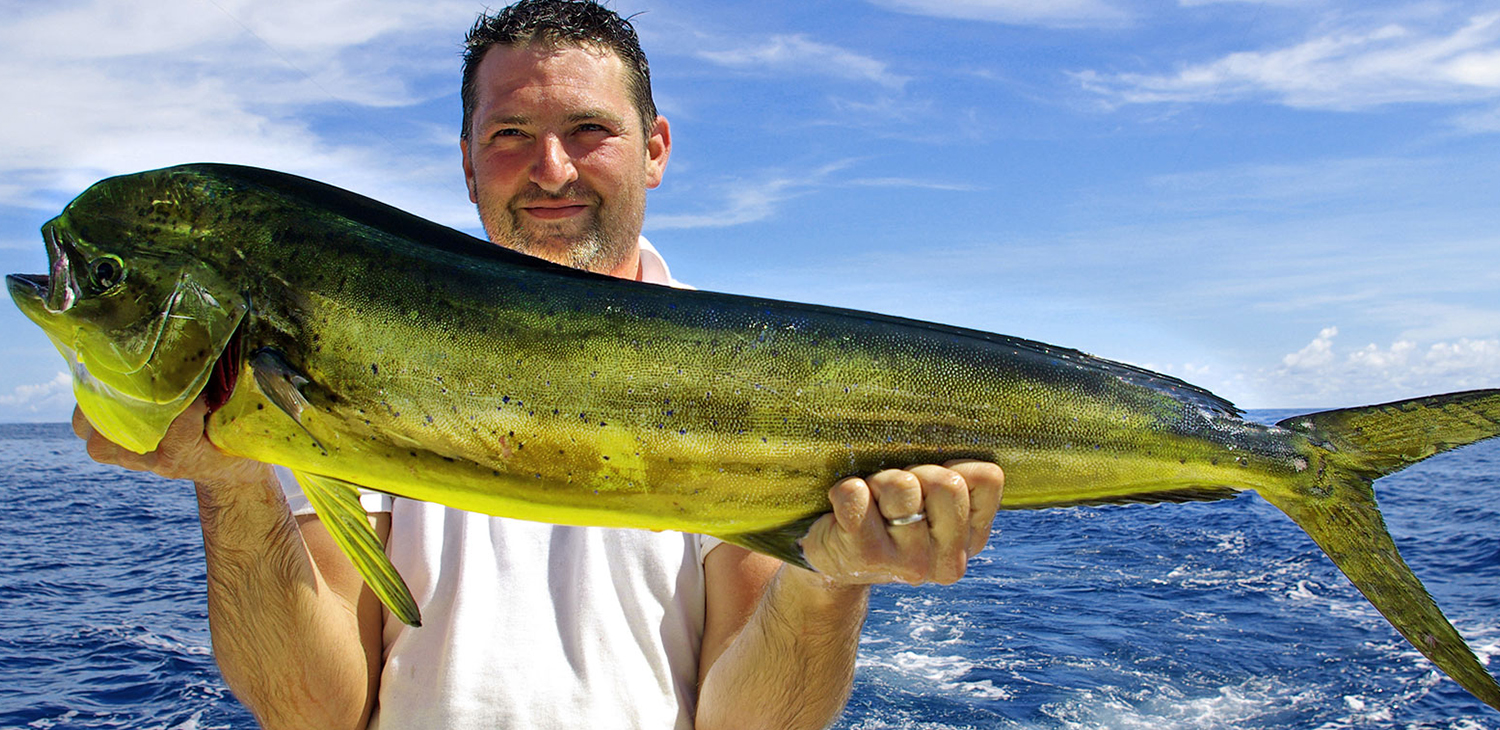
(782, 542)
(337, 504)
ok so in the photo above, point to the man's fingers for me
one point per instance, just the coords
(82, 428)
(986, 483)
(897, 492)
(851, 503)
(945, 497)
(184, 433)
(104, 451)
(859, 544)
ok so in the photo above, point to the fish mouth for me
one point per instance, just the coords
(30, 293)
(27, 286)
(62, 290)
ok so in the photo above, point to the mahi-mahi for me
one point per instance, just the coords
(364, 347)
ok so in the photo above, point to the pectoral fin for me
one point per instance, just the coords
(337, 504)
(282, 384)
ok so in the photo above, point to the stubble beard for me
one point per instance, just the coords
(602, 246)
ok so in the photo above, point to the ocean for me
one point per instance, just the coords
(1217, 615)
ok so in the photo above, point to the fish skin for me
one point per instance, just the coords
(418, 361)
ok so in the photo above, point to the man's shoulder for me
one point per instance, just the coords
(654, 269)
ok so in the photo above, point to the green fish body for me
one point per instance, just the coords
(362, 346)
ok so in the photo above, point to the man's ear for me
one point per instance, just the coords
(463, 146)
(658, 149)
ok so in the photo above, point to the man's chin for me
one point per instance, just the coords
(578, 244)
(589, 254)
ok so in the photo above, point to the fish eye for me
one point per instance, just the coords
(106, 272)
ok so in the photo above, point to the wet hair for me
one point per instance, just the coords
(558, 24)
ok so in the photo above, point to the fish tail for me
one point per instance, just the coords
(1335, 504)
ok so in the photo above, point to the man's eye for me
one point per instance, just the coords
(507, 134)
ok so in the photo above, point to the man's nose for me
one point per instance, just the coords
(553, 168)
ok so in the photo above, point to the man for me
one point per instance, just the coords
(531, 625)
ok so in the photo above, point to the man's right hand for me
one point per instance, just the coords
(276, 585)
(184, 452)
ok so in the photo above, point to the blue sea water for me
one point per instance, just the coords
(1219, 615)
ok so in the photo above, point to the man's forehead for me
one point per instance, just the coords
(517, 84)
(538, 58)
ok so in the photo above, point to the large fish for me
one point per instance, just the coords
(359, 345)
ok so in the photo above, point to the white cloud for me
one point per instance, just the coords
(239, 81)
(1052, 13)
(747, 201)
(49, 401)
(1465, 356)
(1283, 186)
(1371, 357)
(1482, 121)
(743, 202)
(913, 183)
(796, 54)
(1317, 354)
(1373, 373)
(1198, 3)
(1346, 69)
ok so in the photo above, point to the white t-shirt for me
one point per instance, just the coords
(530, 625)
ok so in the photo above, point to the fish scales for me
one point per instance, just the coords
(583, 403)
(362, 346)
(626, 390)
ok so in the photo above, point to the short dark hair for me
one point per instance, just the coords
(558, 23)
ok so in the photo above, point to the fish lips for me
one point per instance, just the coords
(27, 286)
(29, 292)
(55, 292)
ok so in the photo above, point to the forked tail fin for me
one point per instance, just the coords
(1336, 506)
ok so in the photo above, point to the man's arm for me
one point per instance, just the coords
(295, 633)
(780, 642)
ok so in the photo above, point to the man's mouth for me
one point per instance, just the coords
(559, 210)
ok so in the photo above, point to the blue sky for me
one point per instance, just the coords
(1290, 202)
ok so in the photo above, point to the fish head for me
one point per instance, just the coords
(137, 299)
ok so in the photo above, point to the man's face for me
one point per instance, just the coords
(556, 158)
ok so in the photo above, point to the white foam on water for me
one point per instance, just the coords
(933, 674)
(48, 722)
(921, 651)
(1485, 641)
(1461, 724)
(1230, 543)
(1262, 702)
(903, 723)
(145, 637)
(917, 648)
(1253, 703)
(1302, 592)
(928, 620)
(138, 636)
(195, 722)
(1201, 620)
(65, 720)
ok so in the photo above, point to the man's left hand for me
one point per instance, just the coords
(874, 534)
